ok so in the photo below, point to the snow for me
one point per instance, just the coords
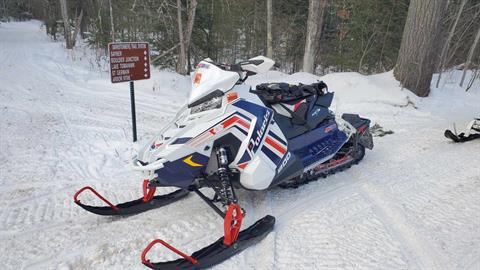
(412, 203)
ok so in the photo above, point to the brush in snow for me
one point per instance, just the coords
(472, 132)
(378, 131)
(230, 137)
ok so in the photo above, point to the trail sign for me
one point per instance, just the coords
(129, 61)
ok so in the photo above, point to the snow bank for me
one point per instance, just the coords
(367, 94)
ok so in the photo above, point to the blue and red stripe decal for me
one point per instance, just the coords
(274, 147)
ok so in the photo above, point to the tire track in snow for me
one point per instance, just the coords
(343, 233)
(338, 183)
(30, 213)
(136, 232)
(346, 188)
(269, 201)
(286, 216)
(417, 247)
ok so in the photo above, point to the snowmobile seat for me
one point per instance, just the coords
(354, 119)
(289, 130)
(303, 104)
(274, 93)
(325, 100)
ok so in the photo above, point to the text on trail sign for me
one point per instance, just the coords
(129, 61)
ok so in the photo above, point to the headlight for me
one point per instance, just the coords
(213, 103)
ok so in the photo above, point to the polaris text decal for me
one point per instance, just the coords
(257, 136)
(263, 115)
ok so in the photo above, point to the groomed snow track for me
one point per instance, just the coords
(412, 203)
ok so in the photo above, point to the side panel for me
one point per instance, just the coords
(318, 144)
(311, 148)
(257, 175)
(270, 158)
(181, 172)
(264, 148)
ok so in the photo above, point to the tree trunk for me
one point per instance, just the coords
(83, 28)
(368, 45)
(78, 23)
(112, 25)
(387, 32)
(182, 54)
(185, 37)
(316, 9)
(100, 24)
(470, 56)
(210, 27)
(253, 40)
(46, 11)
(419, 47)
(6, 15)
(191, 19)
(269, 29)
(4, 11)
(66, 24)
(446, 46)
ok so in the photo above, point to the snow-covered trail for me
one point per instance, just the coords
(413, 203)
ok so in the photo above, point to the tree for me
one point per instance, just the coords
(363, 36)
(78, 23)
(269, 29)
(185, 37)
(4, 10)
(449, 39)
(253, 32)
(50, 17)
(70, 38)
(316, 9)
(470, 55)
(66, 24)
(417, 56)
(112, 25)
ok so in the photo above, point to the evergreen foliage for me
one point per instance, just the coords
(363, 36)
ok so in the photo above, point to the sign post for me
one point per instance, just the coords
(134, 117)
(129, 62)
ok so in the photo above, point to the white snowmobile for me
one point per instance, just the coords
(471, 132)
(230, 136)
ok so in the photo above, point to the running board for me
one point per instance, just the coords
(214, 253)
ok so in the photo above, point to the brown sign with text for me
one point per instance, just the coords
(129, 61)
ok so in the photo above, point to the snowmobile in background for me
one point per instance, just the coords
(229, 137)
(472, 132)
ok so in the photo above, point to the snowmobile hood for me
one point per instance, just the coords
(171, 143)
(208, 78)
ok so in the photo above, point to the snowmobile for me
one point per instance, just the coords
(230, 137)
(472, 132)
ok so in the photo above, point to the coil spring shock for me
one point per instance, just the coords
(226, 190)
